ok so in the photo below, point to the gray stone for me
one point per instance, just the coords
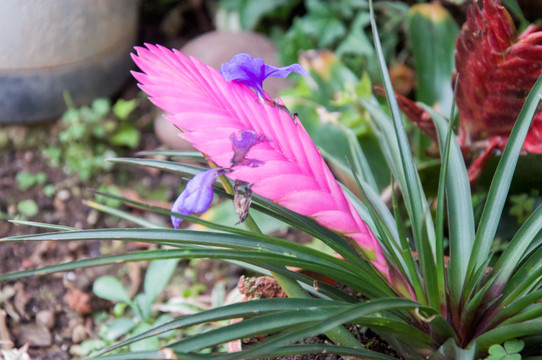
(36, 335)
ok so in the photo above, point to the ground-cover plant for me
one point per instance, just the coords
(134, 316)
(341, 26)
(91, 134)
(425, 299)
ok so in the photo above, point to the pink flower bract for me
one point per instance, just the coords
(209, 109)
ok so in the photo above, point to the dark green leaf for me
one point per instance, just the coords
(502, 179)
(109, 288)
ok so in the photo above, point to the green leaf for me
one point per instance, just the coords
(514, 346)
(123, 108)
(28, 208)
(323, 23)
(109, 288)
(500, 185)
(450, 350)
(258, 257)
(26, 180)
(243, 310)
(119, 327)
(127, 135)
(401, 162)
(263, 324)
(525, 278)
(138, 220)
(142, 306)
(250, 12)
(194, 156)
(516, 250)
(42, 225)
(508, 332)
(101, 107)
(224, 213)
(157, 276)
(345, 315)
(150, 343)
(432, 32)
(459, 201)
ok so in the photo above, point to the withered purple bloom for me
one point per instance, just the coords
(253, 71)
(197, 195)
(242, 203)
(242, 146)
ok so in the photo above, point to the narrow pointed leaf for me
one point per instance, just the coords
(513, 255)
(502, 180)
(502, 334)
(432, 32)
(244, 309)
(343, 316)
(411, 187)
(459, 201)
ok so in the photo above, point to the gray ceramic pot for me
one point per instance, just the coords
(51, 46)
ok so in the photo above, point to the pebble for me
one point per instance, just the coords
(36, 335)
(79, 333)
(46, 318)
(93, 217)
(63, 194)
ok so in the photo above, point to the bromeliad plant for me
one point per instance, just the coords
(398, 283)
(495, 67)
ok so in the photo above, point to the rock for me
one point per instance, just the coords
(36, 335)
(79, 333)
(214, 48)
(46, 318)
(78, 301)
(169, 134)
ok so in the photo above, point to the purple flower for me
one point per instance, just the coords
(253, 71)
(241, 147)
(197, 195)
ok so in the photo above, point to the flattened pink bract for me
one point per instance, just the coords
(209, 109)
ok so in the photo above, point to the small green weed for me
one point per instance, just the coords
(91, 134)
(140, 316)
(27, 208)
(27, 180)
(508, 351)
(523, 205)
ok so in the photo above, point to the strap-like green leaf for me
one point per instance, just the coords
(500, 185)
(254, 257)
(260, 325)
(347, 315)
(460, 214)
(509, 332)
(515, 252)
(422, 224)
(239, 310)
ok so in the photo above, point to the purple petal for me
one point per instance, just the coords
(253, 71)
(241, 147)
(197, 195)
(282, 72)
